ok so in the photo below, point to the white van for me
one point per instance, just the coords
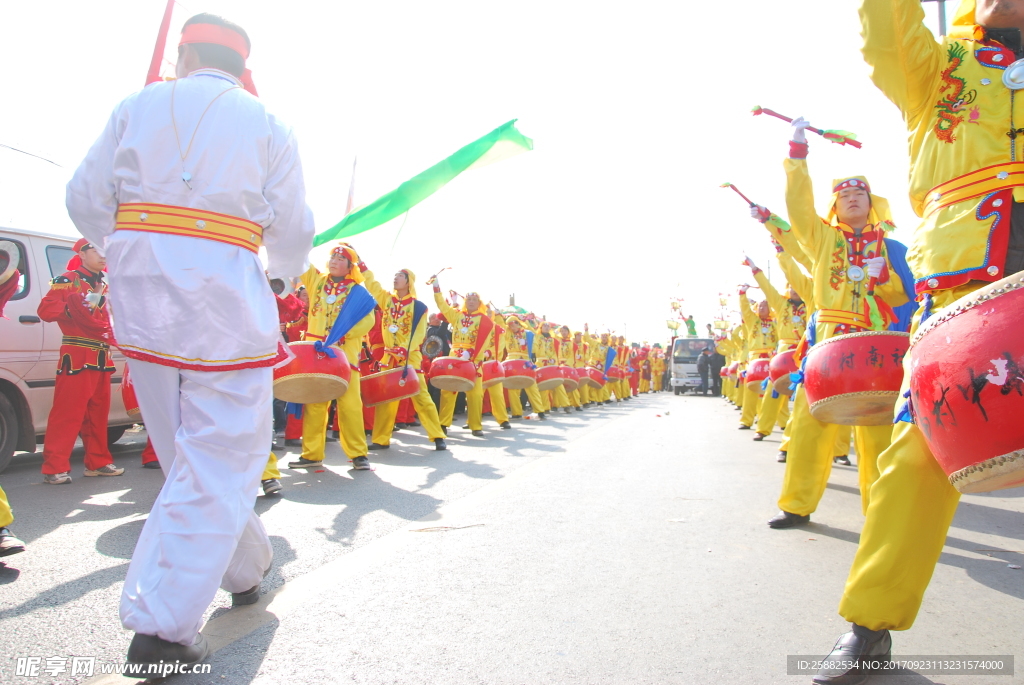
(685, 352)
(29, 347)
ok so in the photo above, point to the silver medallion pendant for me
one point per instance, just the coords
(464, 330)
(855, 274)
(764, 330)
(797, 319)
(331, 299)
(393, 328)
(1013, 75)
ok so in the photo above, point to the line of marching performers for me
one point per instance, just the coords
(930, 393)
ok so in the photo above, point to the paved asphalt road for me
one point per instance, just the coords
(619, 545)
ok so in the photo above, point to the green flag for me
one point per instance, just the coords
(501, 143)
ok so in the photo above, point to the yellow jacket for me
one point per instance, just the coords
(465, 329)
(958, 113)
(322, 314)
(544, 350)
(790, 318)
(397, 314)
(828, 247)
(761, 335)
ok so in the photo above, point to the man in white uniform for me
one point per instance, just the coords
(187, 180)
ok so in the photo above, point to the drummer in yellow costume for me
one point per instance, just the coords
(847, 253)
(402, 349)
(516, 349)
(546, 354)
(790, 315)
(762, 340)
(327, 294)
(658, 368)
(568, 356)
(598, 354)
(961, 167)
(472, 339)
(580, 353)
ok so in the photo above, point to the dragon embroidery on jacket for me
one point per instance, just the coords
(954, 100)
(838, 267)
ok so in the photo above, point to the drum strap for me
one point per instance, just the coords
(609, 359)
(418, 310)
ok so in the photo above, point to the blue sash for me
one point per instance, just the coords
(356, 306)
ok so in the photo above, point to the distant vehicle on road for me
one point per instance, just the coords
(29, 347)
(685, 352)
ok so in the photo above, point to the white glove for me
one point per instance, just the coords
(875, 265)
(93, 299)
(799, 125)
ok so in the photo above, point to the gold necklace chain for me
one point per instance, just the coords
(174, 124)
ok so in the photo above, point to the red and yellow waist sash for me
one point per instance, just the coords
(194, 223)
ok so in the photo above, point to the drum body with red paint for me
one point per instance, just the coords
(757, 371)
(967, 387)
(389, 386)
(572, 379)
(312, 376)
(854, 379)
(779, 369)
(549, 378)
(453, 374)
(519, 373)
(493, 373)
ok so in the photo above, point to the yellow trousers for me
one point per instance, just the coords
(738, 392)
(426, 411)
(584, 392)
(809, 459)
(751, 398)
(532, 394)
(645, 385)
(912, 505)
(350, 421)
(6, 516)
(574, 398)
(474, 405)
(270, 470)
(773, 410)
(558, 397)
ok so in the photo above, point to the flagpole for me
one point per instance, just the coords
(161, 44)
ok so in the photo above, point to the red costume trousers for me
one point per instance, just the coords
(81, 405)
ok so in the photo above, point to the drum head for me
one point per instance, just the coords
(452, 383)
(518, 382)
(10, 255)
(310, 388)
(873, 408)
(432, 347)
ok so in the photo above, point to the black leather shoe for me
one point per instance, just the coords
(375, 446)
(516, 416)
(361, 464)
(478, 434)
(542, 416)
(579, 408)
(440, 445)
(151, 465)
(9, 544)
(744, 428)
(781, 458)
(506, 425)
(759, 437)
(844, 460)
(292, 442)
(786, 520)
(445, 429)
(840, 667)
(149, 649)
(303, 463)
(250, 596)
(566, 410)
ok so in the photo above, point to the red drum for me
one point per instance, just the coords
(966, 385)
(779, 369)
(519, 374)
(854, 379)
(595, 378)
(757, 371)
(312, 377)
(616, 373)
(493, 373)
(572, 379)
(389, 386)
(549, 378)
(733, 370)
(724, 371)
(131, 403)
(452, 373)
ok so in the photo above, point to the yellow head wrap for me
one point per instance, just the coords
(348, 252)
(412, 281)
(481, 309)
(879, 205)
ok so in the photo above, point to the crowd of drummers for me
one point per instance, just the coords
(400, 364)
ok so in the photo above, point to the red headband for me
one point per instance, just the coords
(851, 183)
(217, 35)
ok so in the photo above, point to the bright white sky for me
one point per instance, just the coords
(639, 111)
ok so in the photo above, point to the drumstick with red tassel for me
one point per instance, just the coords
(430, 281)
(836, 136)
(737, 191)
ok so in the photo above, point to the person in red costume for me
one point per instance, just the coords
(81, 398)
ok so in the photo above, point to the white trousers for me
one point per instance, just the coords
(209, 430)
